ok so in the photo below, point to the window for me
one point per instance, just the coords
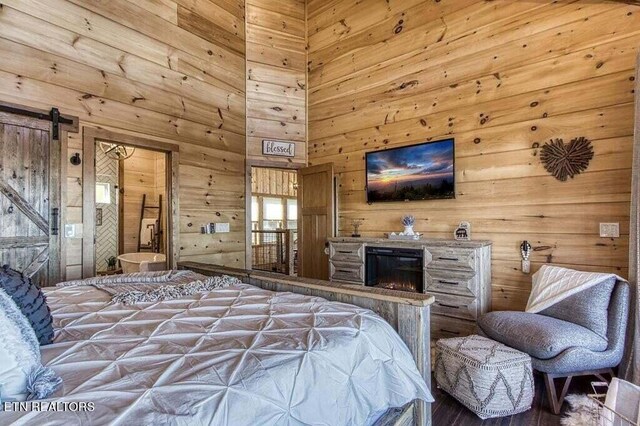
(272, 208)
(272, 213)
(103, 193)
(292, 213)
(255, 209)
(255, 220)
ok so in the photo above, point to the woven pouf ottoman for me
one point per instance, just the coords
(487, 377)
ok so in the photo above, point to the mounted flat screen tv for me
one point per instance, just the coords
(416, 172)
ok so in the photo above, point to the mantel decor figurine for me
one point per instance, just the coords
(408, 234)
(356, 227)
(463, 232)
(408, 221)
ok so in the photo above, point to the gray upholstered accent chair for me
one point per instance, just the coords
(581, 335)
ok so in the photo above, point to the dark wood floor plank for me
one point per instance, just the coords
(532, 416)
(447, 411)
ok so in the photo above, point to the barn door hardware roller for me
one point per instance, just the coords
(53, 116)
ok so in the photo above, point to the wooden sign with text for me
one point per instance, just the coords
(278, 148)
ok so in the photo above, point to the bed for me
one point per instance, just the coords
(240, 355)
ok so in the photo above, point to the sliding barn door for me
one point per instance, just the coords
(315, 220)
(29, 198)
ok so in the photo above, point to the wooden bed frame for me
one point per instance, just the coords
(408, 314)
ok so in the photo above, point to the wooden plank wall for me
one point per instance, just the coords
(141, 176)
(276, 76)
(502, 77)
(73, 208)
(268, 181)
(171, 70)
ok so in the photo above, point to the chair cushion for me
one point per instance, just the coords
(588, 308)
(540, 336)
(29, 298)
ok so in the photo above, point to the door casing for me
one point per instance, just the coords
(90, 136)
(249, 164)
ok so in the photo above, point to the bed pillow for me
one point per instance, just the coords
(19, 351)
(31, 301)
(588, 308)
(22, 376)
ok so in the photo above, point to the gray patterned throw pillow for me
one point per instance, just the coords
(588, 308)
(29, 298)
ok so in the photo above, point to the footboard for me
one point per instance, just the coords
(407, 313)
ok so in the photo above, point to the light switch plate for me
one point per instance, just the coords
(221, 227)
(73, 230)
(610, 230)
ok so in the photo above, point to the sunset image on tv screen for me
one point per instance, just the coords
(418, 172)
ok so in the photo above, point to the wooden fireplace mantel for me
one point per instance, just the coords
(432, 242)
(457, 273)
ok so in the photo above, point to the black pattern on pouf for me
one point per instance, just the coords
(31, 301)
(487, 377)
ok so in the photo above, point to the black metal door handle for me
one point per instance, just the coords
(55, 221)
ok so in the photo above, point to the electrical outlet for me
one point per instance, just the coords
(221, 227)
(610, 230)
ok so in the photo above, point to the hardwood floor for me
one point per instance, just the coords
(447, 411)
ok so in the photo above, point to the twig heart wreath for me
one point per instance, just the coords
(564, 161)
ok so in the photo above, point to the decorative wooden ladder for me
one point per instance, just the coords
(157, 236)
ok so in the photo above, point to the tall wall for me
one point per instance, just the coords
(107, 239)
(276, 76)
(278, 182)
(170, 70)
(502, 78)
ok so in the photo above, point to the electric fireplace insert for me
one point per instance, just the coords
(395, 268)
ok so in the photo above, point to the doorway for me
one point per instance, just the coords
(274, 220)
(29, 174)
(130, 204)
(31, 196)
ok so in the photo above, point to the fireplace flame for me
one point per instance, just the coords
(400, 286)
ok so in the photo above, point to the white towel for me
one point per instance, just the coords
(552, 284)
(145, 232)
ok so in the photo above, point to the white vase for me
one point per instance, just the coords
(408, 230)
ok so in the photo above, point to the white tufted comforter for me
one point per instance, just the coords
(234, 356)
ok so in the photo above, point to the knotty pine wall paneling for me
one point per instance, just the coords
(276, 76)
(168, 70)
(278, 182)
(502, 78)
(73, 207)
(141, 177)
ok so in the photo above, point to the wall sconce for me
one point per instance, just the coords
(75, 159)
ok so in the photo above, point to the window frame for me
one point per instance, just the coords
(258, 225)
